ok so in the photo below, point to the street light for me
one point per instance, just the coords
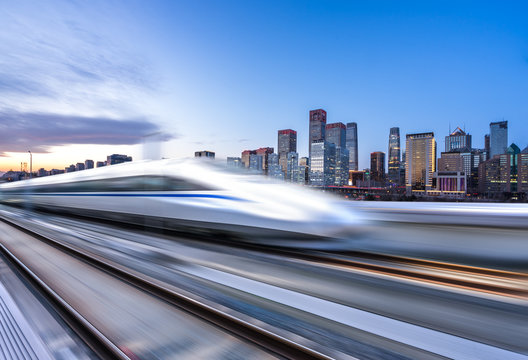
(30, 164)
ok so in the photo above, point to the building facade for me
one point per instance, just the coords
(115, 159)
(352, 145)
(304, 170)
(420, 161)
(292, 165)
(498, 138)
(256, 163)
(377, 166)
(322, 163)
(394, 156)
(286, 143)
(505, 176)
(264, 152)
(274, 168)
(341, 166)
(245, 157)
(335, 133)
(234, 162)
(317, 127)
(88, 164)
(458, 139)
(205, 153)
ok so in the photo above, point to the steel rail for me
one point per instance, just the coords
(273, 343)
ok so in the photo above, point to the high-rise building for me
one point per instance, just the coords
(487, 146)
(287, 142)
(245, 157)
(317, 127)
(403, 165)
(292, 171)
(498, 138)
(377, 166)
(304, 170)
(234, 162)
(352, 145)
(79, 166)
(70, 168)
(420, 161)
(117, 159)
(100, 164)
(274, 168)
(335, 133)
(341, 166)
(264, 153)
(205, 153)
(322, 163)
(88, 164)
(458, 139)
(394, 155)
(451, 161)
(256, 163)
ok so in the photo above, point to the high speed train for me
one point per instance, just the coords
(195, 196)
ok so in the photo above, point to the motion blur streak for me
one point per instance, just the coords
(193, 195)
(366, 280)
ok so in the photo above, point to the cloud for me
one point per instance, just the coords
(76, 55)
(20, 132)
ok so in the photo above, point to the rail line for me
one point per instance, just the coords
(104, 348)
(493, 281)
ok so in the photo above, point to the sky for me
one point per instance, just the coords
(85, 79)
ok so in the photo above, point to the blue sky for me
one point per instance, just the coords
(226, 75)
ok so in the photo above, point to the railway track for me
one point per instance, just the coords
(104, 348)
(493, 281)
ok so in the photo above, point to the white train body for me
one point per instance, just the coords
(187, 194)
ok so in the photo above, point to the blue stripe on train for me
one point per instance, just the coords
(210, 196)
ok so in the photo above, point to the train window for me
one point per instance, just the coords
(131, 183)
(175, 184)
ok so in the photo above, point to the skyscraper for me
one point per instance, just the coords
(322, 163)
(264, 153)
(420, 161)
(304, 170)
(352, 145)
(341, 166)
(274, 169)
(377, 166)
(394, 155)
(458, 139)
(245, 157)
(256, 163)
(487, 146)
(287, 142)
(317, 127)
(292, 167)
(336, 134)
(498, 138)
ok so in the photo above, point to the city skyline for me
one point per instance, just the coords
(419, 67)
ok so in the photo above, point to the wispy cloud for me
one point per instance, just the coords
(38, 132)
(68, 53)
